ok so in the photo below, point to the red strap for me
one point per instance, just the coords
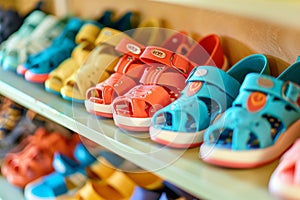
(208, 51)
(153, 54)
(131, 50)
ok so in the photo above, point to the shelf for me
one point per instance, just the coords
(181, 167)
(8, 191)
(283, 12)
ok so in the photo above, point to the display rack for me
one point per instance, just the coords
(245, 27)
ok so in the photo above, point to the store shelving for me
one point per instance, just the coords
(271, 27)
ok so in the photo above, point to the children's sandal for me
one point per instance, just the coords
(15, 42)
(98, 65)
(95, 74)
(127, 74)
(158, 88)
(40, 38)
(69, 175)
(41, 64)
(261, 125)
(85, 40)
(117, 186)
(35, 156)
(209, 92)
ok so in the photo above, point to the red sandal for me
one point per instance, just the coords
(163, 81)
(128, 72)
(35, 155)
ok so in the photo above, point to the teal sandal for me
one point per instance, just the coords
(208, 93)
(41, 64)
(14, 43)
(261, 125)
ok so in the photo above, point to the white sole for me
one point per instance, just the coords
(251, 158)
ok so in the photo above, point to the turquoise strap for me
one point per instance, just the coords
(286, 91)
(216, 77)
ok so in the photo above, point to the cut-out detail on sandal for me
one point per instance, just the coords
(261, 132)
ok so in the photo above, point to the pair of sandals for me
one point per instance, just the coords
(261, 125)
(37, 66)
(88, 177)
(243, 118)
(36, 33)
(33, 157)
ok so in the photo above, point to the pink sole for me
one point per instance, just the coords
(36, 78)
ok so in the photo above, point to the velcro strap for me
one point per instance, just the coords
(130, 47)
(131, 50)
(216, 77)
(110, 36)
(284, 90)
(169, 58)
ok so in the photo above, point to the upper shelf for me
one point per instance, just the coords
(283, 12)
(181, 167)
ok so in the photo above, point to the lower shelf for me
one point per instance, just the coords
(8, 191)
(181, 167)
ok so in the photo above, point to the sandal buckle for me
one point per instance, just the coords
(290, 92)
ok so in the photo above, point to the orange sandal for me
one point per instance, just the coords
(35, 156)
(163, 81)
(127, 74)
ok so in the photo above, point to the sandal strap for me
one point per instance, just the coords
(208, 51)
(131, 50)
(284, 90)
(169, 58)
(216, 77)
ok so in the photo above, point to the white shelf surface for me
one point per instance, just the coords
(181, 167)
(283, 12)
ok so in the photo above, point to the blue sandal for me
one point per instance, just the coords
(66, 171)
(41, 64)
(263, 122)
(209, 92)
(14, 43)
